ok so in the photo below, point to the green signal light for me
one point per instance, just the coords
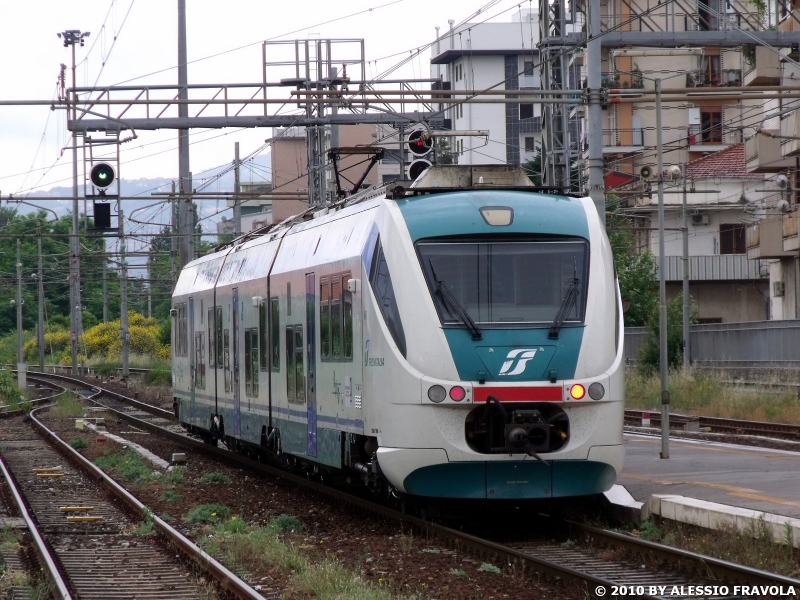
(102, 175)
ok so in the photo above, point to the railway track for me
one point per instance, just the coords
(84, 526)
(592, 559)
(680, 422)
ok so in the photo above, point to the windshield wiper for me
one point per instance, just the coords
(454, 307)
(565, 308)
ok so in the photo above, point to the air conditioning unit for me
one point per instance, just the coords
(778, 289)
(699, 219)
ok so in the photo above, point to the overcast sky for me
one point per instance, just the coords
(145, 52)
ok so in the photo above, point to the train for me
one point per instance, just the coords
(458, 337)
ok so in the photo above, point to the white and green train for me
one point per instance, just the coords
(452, 340)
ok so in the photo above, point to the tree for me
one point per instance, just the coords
(533, 169)
(636, 270)
(650, 353)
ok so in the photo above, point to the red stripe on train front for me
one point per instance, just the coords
(519, 393)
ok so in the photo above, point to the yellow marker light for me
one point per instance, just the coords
(577, 391)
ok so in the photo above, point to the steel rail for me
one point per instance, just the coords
(758, 428)
(703, 564)
(21, 411)
(226, 578)
(50, 566)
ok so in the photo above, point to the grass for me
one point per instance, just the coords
(489, 568)
(78, 443)
(128, 465)
(283, 523)
(700, 393)
(208, 513)
(103, 366)
(175, 476)
(37, 589)
(254, 549)
(214, 478)
(158, 377)
(755, 546)
(67, 406)
(170, 496)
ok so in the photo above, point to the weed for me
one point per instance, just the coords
(67, 407)
(208, 513)
(568, 544)
(158, 377)
(79, 443)
(406, 542)
(27, 405)
(146, 528)
(648, 530)
(458, 572)
(128, 465)
(285, 523)
(214, 478)
(429, 551)
(166, 517)
(175, 476)
(9, 538)
(489, 568)
(170, 496)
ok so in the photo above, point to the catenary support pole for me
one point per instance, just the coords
(123, 288)
(40, 282)
(662, 286)
(237, 202)
(21, 367)
(595, 134)
(185, 185)
(685, 261)
(105, 291)
(75, 245)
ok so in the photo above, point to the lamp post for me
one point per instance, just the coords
(71, 37)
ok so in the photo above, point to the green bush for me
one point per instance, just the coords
(650, 353)
(158, 377)
(285, 523)
(208, 513)
(79, 443)
(128, 465)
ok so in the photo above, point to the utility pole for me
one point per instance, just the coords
(185, 225)
(123, 287)
(72, 37)
(173, 253)
(21, 366)
(685, 261)
(150, 299)
(595, 110)
(662, 284)
(40, 281)
(237, 202)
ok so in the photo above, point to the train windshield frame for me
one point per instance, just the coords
(504, 283)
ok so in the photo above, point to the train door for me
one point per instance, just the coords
(311, 362)
(192, 360)
(237, 420)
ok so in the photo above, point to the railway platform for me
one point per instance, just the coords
(708, 483)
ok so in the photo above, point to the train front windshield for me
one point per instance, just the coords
(502, 284)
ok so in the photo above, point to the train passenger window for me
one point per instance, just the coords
(324, 318)
(289, 299)
(347, 319)
(262, 337)
(226, 358)
(251, 362)
(381, 282)
(199, 361)
(211, 344)
(336, 319)
(181, 331)
(295, 382)
(276, 335)
(218, 323)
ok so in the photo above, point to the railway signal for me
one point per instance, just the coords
(102, 176)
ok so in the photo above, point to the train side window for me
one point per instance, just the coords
(288, 298)
(336, 318)
(347, 319)
(324, 318)
(200, 364)
(181, 331)
(251, 362)
(381, 282)
(262, 337)
(290, 380)
(218, 323)
(300, 382)
(211, 343)
(276, 335)
(226, 357)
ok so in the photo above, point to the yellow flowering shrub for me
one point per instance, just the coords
(55, 341)
(104, 339)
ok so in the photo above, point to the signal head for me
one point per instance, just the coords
(102, 175)
(419, 142)
(417, 168)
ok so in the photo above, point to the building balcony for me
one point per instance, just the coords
(726, 78)
(765, 239)
(711, 139)
(764, 66)
(720, 267)
(762, 154)
(791, 231)
(790, 134)
(622, 141)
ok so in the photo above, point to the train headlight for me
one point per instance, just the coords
(457, 393)
(577, 391)
(597, 391)
(437, 393)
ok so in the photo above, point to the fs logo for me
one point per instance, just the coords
(517, 359)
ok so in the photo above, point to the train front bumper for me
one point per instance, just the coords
(428, 472)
